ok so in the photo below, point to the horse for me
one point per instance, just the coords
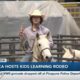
(41, 49)
(71, 54)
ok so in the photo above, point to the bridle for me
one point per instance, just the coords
(43, 50)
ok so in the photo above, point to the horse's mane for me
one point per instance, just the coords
(34, 44)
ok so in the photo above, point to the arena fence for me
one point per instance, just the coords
(11, 50)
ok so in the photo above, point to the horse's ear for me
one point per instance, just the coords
(64, 48)
(47, 34)
(37, 36)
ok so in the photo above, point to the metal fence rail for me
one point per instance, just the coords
(14, 51)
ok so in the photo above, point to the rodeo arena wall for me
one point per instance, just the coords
(14, 14)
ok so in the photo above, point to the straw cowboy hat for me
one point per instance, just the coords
(36, 13)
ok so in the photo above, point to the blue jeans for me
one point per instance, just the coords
(27, 58)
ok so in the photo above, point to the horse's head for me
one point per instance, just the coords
(43, 47)
(71, 53)
(68, 53)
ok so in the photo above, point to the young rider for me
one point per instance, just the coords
(29, 33)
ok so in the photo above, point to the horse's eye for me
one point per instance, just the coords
(39, 44)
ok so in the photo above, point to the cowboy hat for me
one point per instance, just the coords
(36, 13)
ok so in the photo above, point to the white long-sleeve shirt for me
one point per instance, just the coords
(30, 34)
